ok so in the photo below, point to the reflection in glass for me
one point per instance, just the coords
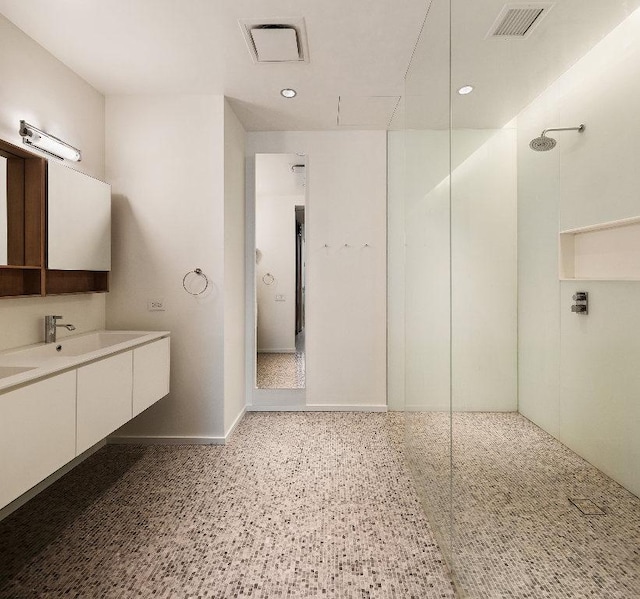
(280, 271)
(4, 259)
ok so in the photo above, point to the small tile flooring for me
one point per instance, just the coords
(305, 505)
(297, 505)
(282, 371)
(516, 530)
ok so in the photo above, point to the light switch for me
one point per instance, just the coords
(280, 298)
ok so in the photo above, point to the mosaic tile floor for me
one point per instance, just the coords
(282, 371)
(297, 505)
(516, 532)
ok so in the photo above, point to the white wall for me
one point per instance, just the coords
(169, 215)
(472, 226)
(234, 280)
(38, 88)
(578, 375)
(484, 276)
(346, 286)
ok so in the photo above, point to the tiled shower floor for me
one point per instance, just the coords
(516, 534)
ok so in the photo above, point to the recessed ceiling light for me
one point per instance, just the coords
(465, 89)
(289, 93)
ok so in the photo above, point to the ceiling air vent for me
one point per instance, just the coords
(517, 21)
(276, 40)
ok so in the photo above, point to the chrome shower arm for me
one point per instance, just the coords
(580, 128)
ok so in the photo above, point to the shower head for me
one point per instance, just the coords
(544, 143)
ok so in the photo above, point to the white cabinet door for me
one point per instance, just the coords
(150, 374)
(104, 398)
(37, 433)
(78, 220)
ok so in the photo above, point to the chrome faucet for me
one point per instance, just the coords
(51, 327)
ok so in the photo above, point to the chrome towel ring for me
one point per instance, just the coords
(195, 282)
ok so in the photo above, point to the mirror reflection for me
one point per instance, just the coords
(4, 237)
(280, 271)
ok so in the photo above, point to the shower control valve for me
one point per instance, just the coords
(581, 305)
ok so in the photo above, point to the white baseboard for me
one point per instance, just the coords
(235, 423)
(42, 485)
(175, 439)
(315, 408)
(164, 440)
(287, 350)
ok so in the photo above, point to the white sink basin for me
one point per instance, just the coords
(76, 346)
(19, 366)
(70, 347)
(11, 370)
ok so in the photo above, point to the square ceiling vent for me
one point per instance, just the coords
(276, 40)
(518, 21)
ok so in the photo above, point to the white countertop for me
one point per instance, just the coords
(42, 359)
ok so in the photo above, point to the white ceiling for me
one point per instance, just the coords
(356, 47)
(507, 74)
(359, 51)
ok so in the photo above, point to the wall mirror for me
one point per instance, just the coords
(4, 234)
(280, 270)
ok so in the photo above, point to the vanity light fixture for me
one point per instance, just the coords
(288, 93)
(34, 137)
(465, 89)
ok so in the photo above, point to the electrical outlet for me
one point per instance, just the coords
(155, 305)
(280, 298)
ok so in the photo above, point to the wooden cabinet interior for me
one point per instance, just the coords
(26, 273)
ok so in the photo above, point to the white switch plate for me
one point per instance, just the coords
(280, 298)
(155, 305)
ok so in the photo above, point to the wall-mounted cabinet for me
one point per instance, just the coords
(104, 398)
(78, 221)
(55, 227)
(46, 422)
(603, 252)
(37, 433)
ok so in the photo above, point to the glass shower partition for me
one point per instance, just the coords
(541, 396)
(520, 403)
(427, 274)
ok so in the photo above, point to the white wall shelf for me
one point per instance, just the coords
(604, 252)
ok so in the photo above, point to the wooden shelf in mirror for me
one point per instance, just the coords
(22, 275)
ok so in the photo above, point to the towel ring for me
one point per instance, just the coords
(200, 275)
(268, 279)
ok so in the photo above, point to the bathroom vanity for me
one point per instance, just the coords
(57, 400)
